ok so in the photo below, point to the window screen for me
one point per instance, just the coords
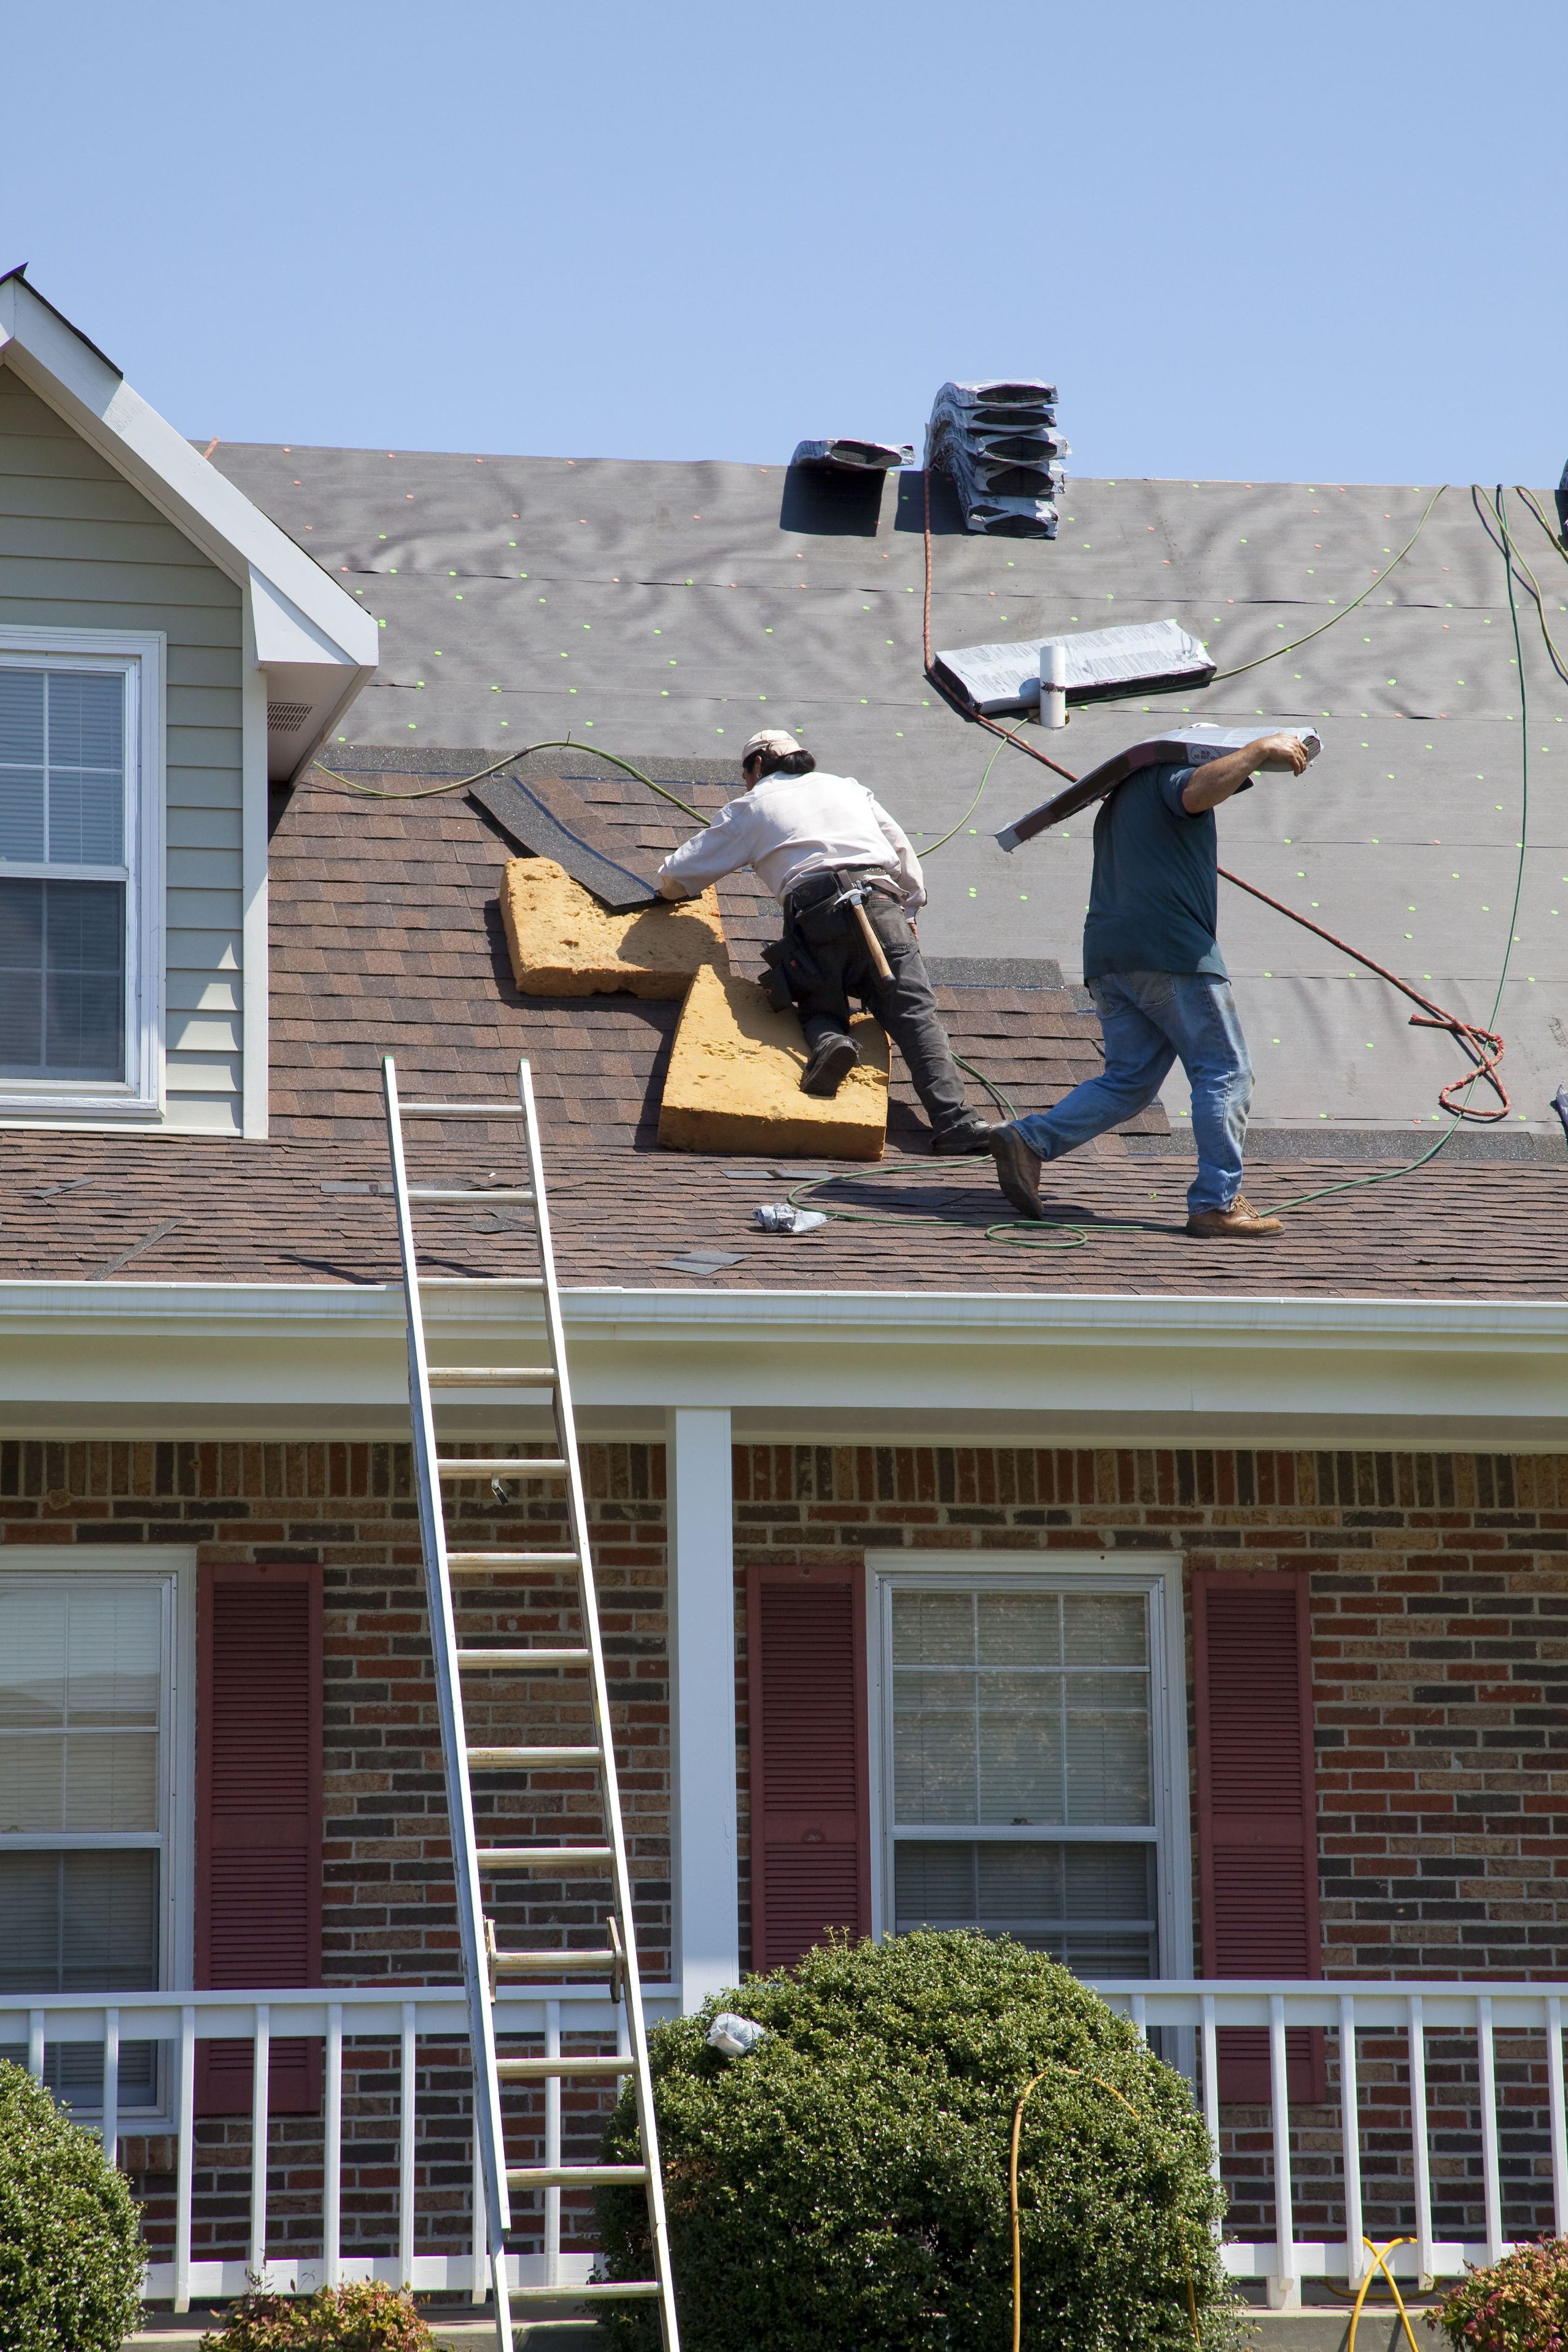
(63, 915)
(1025, 1719)
(83, 1707)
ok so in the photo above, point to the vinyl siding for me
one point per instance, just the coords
(79, 549)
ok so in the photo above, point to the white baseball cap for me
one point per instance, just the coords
(772, 739)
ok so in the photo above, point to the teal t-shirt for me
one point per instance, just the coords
(1153, 901)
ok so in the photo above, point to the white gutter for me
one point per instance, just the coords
(317, 1359)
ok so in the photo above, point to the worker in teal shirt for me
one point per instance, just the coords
(1152, 965)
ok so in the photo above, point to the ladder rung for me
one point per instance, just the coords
(460, 1110)
(545, 2070)
(590, 2291)
(515, 1661)
(485, 1563)
(501, 1465)
(481, 1282)
(554, 1964)
(545, 1857)
(491, 1376)
(473, 1194)
(530, 1759)
(571, 2176)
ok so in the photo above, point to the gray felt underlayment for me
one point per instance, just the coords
(664, 611)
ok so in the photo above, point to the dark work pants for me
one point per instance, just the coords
(905, 1006)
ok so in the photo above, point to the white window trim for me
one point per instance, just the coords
(177, 1792)
(1157, 1575)
(139, 1095)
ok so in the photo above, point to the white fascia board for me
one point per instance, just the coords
(58, 363)
(1430, 1374)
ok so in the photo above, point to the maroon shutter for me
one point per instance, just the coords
(258, 1815)
(1257, 1814)
(811, 1833)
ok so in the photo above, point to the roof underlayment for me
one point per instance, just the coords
(667, 610)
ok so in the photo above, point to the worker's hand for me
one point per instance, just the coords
(1281, 752)
(669, 887)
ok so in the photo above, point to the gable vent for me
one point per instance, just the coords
(285, 717)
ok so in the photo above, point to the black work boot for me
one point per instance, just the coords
(967, 1135)
(828, 1065)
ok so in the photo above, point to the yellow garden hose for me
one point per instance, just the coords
(1380, 2262)
(1012, 2209)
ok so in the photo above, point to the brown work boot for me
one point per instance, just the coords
(1240, 1221)
(1018, 1171)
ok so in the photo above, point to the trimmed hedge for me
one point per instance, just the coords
(846, 2185)
(364, 2316)
(70, 2247)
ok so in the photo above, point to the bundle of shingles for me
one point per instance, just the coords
(999, 443)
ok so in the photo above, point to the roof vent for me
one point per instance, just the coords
(287, 718)
(855, 456)
(999, 443)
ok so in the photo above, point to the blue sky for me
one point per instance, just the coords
(1247, 241)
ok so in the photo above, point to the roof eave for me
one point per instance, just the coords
(1423, 1375)
(302, 618)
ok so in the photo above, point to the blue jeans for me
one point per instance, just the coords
(1150, 1019)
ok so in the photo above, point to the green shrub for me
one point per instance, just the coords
(846, 2185)
(364, 2317)
(1519, 2305)
(70, 2250)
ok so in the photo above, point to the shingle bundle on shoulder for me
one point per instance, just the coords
(999, 443)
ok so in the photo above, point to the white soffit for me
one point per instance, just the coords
(314, 644)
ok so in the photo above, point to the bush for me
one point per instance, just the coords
(365, 2317)
(70, 2249)
(1519, 2305)
(846, 2185)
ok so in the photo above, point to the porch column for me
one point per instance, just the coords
(705, 1881)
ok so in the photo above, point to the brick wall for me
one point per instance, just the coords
(1439, 1597)
(1439, 1636)
(388, 1908)
(1440, 1644)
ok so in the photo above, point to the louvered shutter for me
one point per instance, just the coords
(258, 1815)
(1257, 1814)
(810, 1758)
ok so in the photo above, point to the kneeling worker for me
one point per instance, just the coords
(813, 838)
(1152, 965)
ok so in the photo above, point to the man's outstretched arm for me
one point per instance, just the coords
(1216, 779)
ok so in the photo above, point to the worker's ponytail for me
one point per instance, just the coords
(784, 763)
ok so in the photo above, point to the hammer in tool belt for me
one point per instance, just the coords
(855, 896)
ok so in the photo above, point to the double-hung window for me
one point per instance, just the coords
(91, 1837)
(78, 886)
(1031, 1764)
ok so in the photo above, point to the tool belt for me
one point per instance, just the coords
(810, 909)
(813, 920)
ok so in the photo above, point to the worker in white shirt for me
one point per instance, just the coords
(813, 838)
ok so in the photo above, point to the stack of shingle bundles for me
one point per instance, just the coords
(999, 443)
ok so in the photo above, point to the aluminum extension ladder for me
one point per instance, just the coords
(484, 1965)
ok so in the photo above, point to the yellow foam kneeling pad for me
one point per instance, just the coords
(734, 1081)
(562, 942)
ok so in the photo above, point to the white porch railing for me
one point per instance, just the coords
(1398, 2022)
(400, 2017)
(1440, 2100)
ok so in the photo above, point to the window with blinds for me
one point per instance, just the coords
(1020, 1780)
(66, 785)
(84, 1729)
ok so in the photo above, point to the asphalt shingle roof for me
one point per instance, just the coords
(386, 938)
